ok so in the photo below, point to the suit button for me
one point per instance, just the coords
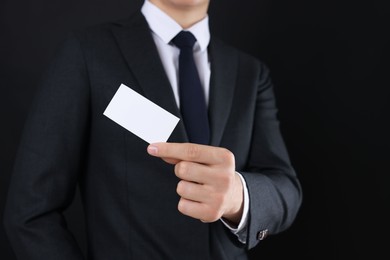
(261, 235)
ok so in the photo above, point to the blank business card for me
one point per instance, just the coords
(140, 116)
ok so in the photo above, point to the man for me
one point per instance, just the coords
(177, 200)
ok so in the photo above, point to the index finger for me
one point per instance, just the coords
(190, 152)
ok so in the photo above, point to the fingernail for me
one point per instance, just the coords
(152, 150)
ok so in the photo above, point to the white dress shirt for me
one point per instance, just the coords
(164, 29)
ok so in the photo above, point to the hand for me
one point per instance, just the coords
(209, 187)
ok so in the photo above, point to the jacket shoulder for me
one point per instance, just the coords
(244, 59)
(98, 32)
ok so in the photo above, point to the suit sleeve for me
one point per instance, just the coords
(49, 161)
(274, 190)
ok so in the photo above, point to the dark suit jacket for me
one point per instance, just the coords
(130, 197)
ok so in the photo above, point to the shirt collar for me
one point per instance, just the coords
(166, 28)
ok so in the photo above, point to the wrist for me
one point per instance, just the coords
(234, 214)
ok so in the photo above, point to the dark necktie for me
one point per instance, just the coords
(192, 99)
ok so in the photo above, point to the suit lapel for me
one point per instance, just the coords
(224, 63)
(137, 45)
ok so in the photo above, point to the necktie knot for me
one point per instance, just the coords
(184, 39)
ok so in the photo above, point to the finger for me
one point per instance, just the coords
(191, 152)
(193, 172)
(193, 191)
(170, 160)
(197, 210)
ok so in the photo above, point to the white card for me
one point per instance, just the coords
(140, 116)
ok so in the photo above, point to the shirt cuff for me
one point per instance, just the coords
(241, 230)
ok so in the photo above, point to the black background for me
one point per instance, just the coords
(330, 66)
